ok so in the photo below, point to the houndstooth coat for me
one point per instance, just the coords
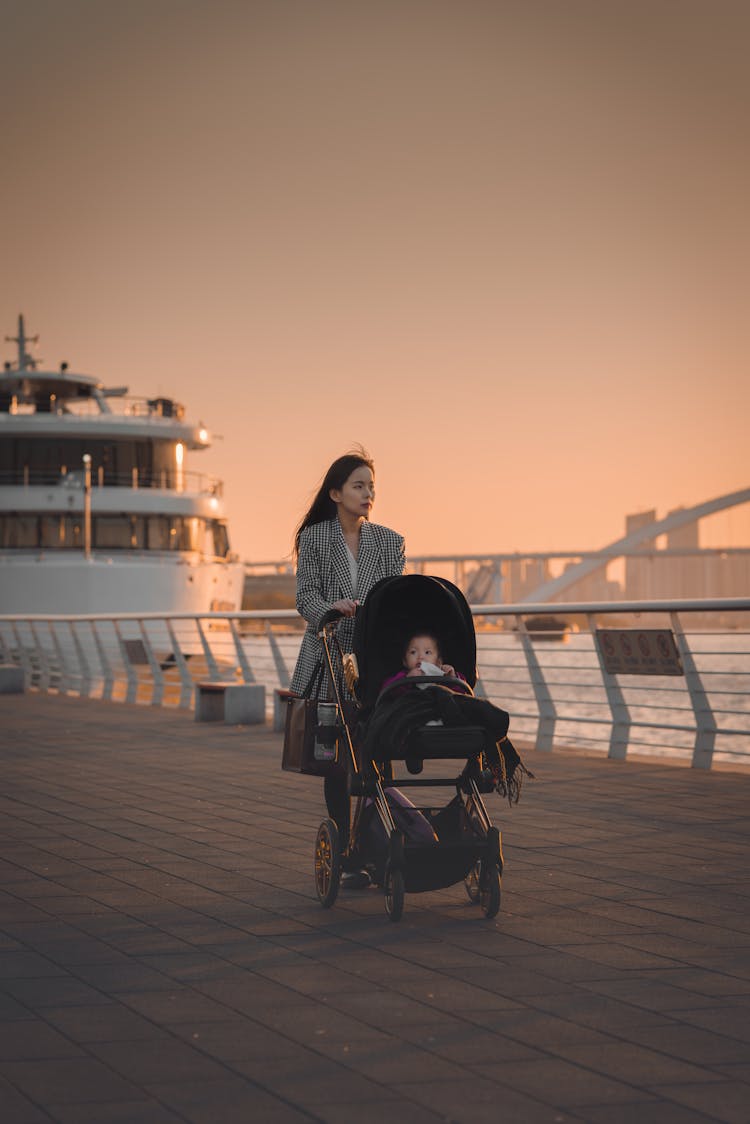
(324, 576)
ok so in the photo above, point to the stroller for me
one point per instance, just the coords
(417, 722)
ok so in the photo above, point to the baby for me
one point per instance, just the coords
(422, 657)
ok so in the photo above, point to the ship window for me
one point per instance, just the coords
(21, 532)
(73, 531)
(111, 532)
(137, 532)
(184, 534)
(158, 532)
(221, 539)
(52, 531)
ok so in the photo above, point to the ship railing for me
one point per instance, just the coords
(165, 479)
(123, 405)
(553, 667)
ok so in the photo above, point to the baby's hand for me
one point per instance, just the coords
(448, 669)
(414, 671)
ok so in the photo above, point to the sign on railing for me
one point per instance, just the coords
(639, 651)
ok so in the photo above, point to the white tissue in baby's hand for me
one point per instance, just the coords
(430, 668)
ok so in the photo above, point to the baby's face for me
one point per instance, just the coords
(421, 648)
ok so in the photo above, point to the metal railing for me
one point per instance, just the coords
(554, 682)
(168, 480)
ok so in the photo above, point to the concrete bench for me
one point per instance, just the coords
(238, 704)
(11, 679)
(279, 708)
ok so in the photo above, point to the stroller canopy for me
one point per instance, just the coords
(398, 608)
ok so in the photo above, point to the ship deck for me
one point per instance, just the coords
(164, 957)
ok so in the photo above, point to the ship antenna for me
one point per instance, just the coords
(26, 362)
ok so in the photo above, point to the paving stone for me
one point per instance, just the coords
(158, 1059)
(233, 1101)
(72, 1080)
(132, 1112)
(725, 1101)
(56, 991)
(15, 1107)
(174, 1005)
(656, 1111)
(235, 1039)
(378, 1108)
(561, 1084)
(34, 1038)
(632, 1062)
(694, 1044)
(106, 1022)
(482, 1101)
(313, 1080)
(11, 1010)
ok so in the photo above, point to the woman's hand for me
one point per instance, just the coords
(346, 607)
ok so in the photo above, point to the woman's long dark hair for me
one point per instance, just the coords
(323, 508)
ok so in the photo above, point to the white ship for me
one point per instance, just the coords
(98, 512)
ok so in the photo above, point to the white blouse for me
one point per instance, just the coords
(353, 570)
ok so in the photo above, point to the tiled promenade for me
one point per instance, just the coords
(163, 956)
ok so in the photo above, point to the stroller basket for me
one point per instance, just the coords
(458, 843)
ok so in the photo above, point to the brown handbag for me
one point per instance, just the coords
(300, 727)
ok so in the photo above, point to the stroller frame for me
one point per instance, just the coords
(472, 851)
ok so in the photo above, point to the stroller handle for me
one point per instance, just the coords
(332, 617)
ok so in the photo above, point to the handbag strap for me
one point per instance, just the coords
(314, 682)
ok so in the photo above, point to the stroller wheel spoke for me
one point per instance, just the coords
(327, 863)
(471, 882)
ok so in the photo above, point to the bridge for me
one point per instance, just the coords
(682, 569)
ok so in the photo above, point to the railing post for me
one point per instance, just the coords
(131, 691)
(108, 679)
(186, 682)
(281, 669)
(242, 660)
(546, 707)
(83, 663)
(63, 685)
(213, 667)
(621, 722)
(705, 723)
(23, 658)
(157, 690)
(45, 678)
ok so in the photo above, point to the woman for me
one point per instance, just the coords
(340, 557)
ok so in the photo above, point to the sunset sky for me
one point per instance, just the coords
(504, 245)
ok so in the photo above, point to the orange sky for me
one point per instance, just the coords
(504, 245)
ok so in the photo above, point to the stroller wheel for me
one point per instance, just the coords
(327, 863)
(471, 882)
(393, 885)
(489, 891)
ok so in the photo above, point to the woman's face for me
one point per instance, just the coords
(357, 494)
